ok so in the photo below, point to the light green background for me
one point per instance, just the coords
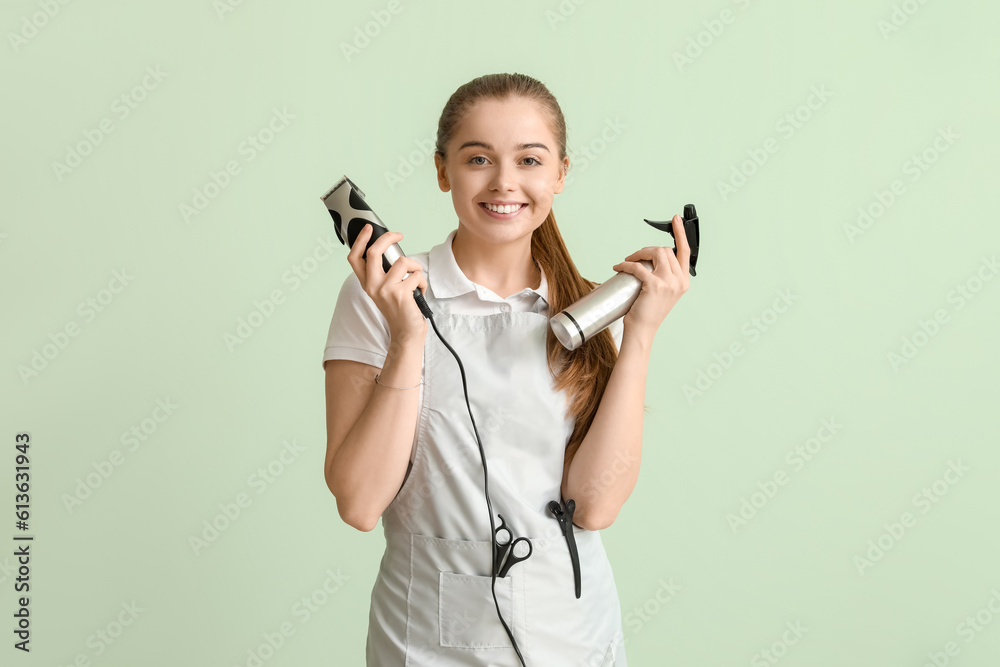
(684, 129)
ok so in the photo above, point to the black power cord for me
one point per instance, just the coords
(429, 314)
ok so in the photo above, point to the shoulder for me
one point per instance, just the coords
(354, 305)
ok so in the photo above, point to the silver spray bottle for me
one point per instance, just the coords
(612, 299)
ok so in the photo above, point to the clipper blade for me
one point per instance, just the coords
(342, 181)
(346, 204)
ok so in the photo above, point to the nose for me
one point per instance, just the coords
(503, 178)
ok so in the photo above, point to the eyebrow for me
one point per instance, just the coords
(520, 147)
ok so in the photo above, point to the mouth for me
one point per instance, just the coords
(504, 212)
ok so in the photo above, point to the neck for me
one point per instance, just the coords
(504, 269)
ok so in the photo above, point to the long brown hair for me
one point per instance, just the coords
(584, 372)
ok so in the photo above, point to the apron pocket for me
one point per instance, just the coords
(467, 614)
(449, 606)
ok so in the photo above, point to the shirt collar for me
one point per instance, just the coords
(447, 280)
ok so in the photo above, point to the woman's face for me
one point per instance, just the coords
(502, 152)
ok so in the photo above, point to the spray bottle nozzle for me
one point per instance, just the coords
(690, 231)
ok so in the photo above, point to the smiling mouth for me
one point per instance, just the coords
(502, 210)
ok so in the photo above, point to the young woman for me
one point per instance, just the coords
(554, 425)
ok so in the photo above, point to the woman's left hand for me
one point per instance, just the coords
(662, 287)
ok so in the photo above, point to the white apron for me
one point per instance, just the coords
(431, 603)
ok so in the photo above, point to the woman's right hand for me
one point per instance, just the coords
(391, 293)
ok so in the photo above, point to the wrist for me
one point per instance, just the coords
(640, 340)
(409, 337)
(406, 344)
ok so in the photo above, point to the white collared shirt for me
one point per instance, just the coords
(359, 331)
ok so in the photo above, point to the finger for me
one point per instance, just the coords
(415, 279)
(359, 243)
(375, 272)
(401, 267)
(635, 268)
(645, 253)
(659, 256)
(683, 247)
(381, 244)
(673, 262)
(397, 274)
(387, 239)
(354, 256)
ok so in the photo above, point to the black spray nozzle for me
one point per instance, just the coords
(690, 231)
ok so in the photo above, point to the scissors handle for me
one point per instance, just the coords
(502, 534)
(504, 546)
(513, 558)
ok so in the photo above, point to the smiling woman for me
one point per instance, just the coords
(531, 585)
(494, 175)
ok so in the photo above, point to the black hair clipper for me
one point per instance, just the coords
(350, 213)
(346, 203)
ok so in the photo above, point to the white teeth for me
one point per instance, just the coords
(510, 208)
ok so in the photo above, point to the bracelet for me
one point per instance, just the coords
(385, 385)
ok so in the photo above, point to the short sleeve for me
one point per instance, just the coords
(358, 330)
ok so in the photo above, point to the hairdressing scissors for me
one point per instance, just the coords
(504, 544)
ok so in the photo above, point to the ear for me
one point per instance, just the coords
(563, 168)
(442, 175)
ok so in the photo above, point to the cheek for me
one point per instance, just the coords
(543, 188)
(542, 194)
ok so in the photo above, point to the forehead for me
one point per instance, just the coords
(505, 123)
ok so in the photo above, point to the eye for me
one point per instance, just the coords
(536, 162)
(473, 159)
